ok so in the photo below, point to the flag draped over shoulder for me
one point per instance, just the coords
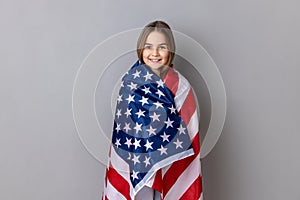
(155, 140)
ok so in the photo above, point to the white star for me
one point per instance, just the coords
(181, 129)
(127, 127)
(128, 112)
(148, 145)
(119, 113)
(118, 128)
(136, 143)
(119, 98)
(144, 100)
(158, 104)
(178, 143)
(118, 142)
(147, 161)
(173, 110)
(135, 159)
(136, 74)
(165, 137)
(146, 90)
(159, 93)
(163, 150)
(122, 84)
(169, 123)
(133, 86)
(155, 117)
(140, 113)
(160, 83)
(134, 175)
(148, 76)
(138, 127)
(128, 143)
(151, 131)
(130, 98)
(129, 156)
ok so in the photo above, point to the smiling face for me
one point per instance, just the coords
(155, 53)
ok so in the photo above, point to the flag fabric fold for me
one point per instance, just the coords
(155, 138)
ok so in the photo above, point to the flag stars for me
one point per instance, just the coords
(181, 129)
(148, 145)
(178, 144)
(117, 143)
(133, 86)
(158, 104)
(118, 114)
(159, 93)
(135, 159)
(127, 127)
(146, 90)
(136, 74)
(144, 100)
(129, 156)
(165, 137)
(160, 83)
(136, 143)
(128, 143)
(146, 161)
(140, 113)
(172, 109)
(162, 150)
(148, 76)
(134, 175)
(119, 98)
(118, 128)
(128, 112)
(151, 131)
(138, 127)
(130, 98)
(155, 117)
(169, 123)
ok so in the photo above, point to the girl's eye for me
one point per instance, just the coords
(163, 47)
(147, 46)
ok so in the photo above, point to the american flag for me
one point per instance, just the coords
(155, 140)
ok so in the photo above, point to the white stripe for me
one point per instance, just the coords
(182, 91)
(150, 181)
(193, 126)
(165, 169)
(201, 197)
(185, 180)
(120, 165)
(112, 193)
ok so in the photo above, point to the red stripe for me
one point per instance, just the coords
(157, 184)
(188, 108)
(194, 191)
(178, 167)
(118, 182)
(171, 80)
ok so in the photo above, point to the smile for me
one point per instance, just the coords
(154, 60)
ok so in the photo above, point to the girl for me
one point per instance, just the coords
(155, 149)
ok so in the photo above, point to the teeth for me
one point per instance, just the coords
(154, 60)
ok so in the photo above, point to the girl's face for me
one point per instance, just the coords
(155, 53)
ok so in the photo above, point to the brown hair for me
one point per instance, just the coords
(163, 28)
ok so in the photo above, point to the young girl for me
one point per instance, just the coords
(155, 150)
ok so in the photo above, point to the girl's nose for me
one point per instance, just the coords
(155, 52)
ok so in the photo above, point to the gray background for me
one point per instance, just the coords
(255, 44)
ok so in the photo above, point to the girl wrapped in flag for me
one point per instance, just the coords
(155, 148)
